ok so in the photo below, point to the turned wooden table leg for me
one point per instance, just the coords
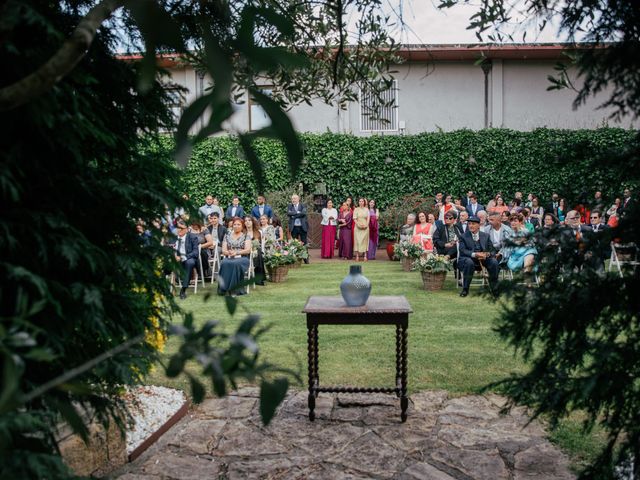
(404, 400)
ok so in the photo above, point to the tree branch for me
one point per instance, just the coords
(62, 62)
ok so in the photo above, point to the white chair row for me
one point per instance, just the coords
(623, 258)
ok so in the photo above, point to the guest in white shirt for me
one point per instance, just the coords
(498, 234)
(329, 222)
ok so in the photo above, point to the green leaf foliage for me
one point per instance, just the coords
(388, 167)
(271, 395)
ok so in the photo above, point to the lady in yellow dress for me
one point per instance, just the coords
(361, 232)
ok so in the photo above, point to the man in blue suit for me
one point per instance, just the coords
(473, 207)
(234, 210)
(476, 249)
(261, 208)
(186, 252)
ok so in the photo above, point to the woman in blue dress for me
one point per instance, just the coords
(523, 253)
(236, 248)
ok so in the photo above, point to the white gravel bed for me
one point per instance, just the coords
(150, 407)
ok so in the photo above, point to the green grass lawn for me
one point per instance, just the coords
(451, 342)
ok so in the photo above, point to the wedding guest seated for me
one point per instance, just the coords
(498, 235)
(550, 220)
(206, 242)
(526, 214)
(236, 248)
(473, 207)
(476, 250)
(446, 206)
(423, 232)
(461, 224)
(499, 206)
(267, 232)
(445, 237)
(186, 252)
(216, 229)
(601, 246)
(523, 254)
(537, 212)
(504, 218)
(277, 226)
(482, 215)
(406, 231)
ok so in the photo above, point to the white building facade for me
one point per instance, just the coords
(441, 88)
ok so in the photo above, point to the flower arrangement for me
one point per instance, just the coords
(278, 256)
(407, 249)
(432, 263)
(297, 248)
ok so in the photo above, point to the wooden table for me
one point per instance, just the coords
(383, 310)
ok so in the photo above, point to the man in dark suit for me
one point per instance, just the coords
(186, 252)
(626, 202)
(261, 208)
(552, 206)
(602, 250)
(235, 209)
(476, 249)
(473, 207)
(298, 225)
(461, 225)
(445, 236)
(466, 200)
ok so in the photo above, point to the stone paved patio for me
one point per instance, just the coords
(353, 437)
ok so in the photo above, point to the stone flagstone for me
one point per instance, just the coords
(355, 436)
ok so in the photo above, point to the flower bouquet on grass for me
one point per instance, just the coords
(277, 261)
(407, 252)
(434, 270)
(298, 250)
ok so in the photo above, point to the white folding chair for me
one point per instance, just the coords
(176, 281)
(624, 258)
(214, 263)
(200, 266)
(251, 272)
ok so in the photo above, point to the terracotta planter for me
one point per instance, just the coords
(433, 281)
(406, 263)
(389, 249)
(278, 274)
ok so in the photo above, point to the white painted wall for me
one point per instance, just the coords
(450, 96)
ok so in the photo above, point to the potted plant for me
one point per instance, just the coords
(277, 261)
(298, 250)
(434, 270)
(407, 252)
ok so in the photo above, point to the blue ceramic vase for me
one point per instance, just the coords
(355, 288)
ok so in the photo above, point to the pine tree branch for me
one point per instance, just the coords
(62, 62)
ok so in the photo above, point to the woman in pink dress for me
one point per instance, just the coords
(345, 224)
(329, 222)
(374, 213)
(423, 232)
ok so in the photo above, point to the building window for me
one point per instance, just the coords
(258, 118)
(176, 102)
(379, 112)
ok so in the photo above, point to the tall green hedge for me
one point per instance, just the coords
(386, 167)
